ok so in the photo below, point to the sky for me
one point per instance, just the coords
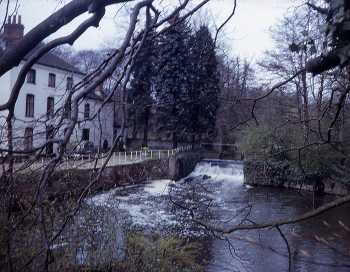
(247, 34)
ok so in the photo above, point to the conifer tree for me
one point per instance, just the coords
(173, 80)
(140, 96)
(202, 96)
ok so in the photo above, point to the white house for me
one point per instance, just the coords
(40, 103)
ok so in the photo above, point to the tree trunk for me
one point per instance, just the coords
(145, 127)
(174, 140)
(306, 120)
(193, 140)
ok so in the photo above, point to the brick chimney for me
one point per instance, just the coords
(13, 30)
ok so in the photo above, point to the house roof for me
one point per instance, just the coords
(52, 60)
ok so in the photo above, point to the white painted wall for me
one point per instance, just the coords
(41, 92)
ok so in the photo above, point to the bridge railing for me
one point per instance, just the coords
(119, 158)
(92, 161)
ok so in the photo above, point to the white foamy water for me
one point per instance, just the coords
(139, 201)
(220, 170)
(158, 187)
(148, 204)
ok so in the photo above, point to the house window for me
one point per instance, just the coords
(52, 80)
(67, 109)
(50, 107)
(69, 83)
(86, 134)
(30, 105)
(28, 138)
(87, 111)
(31, 76)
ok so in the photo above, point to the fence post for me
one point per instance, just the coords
(151, 154)
(131, 155)
(125, 156)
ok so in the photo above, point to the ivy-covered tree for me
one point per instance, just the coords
(337, 15)
(140, 96)
(172, 80)
(202, 96)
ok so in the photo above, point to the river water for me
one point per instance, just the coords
(215, 192)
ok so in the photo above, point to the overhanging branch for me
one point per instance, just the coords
(13, 56)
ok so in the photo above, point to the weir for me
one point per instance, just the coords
(219, 170)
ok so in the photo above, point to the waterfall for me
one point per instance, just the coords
(220, 170)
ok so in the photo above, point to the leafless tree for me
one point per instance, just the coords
(117, 65)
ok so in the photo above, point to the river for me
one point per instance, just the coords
(215, 191)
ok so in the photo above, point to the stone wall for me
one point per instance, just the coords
(183, 164)
(67, 184)
(259, 173)
(75, 181)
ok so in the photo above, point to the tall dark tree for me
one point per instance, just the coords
(173, 80)
(140, 96)
(202, 96)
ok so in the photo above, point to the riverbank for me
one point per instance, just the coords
(70, 183)
(283, 175)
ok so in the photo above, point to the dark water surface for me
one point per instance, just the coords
(319, 244)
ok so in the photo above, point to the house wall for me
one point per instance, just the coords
(41, 92)
(5, 82)
(101, 129)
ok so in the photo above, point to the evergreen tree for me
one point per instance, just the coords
(173, 80)
(140, 96)
(202, 97)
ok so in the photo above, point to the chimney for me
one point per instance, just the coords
(13, 30)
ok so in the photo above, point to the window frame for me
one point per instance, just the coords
(67, 109)
(52, 80)
(69, 83)
(83, 134)
(30, 105)
(86, 111)
(31, 76)
(50, 106)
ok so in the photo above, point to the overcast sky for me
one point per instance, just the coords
(247, 34)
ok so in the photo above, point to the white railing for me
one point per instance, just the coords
(120, 158)
(117, 158)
